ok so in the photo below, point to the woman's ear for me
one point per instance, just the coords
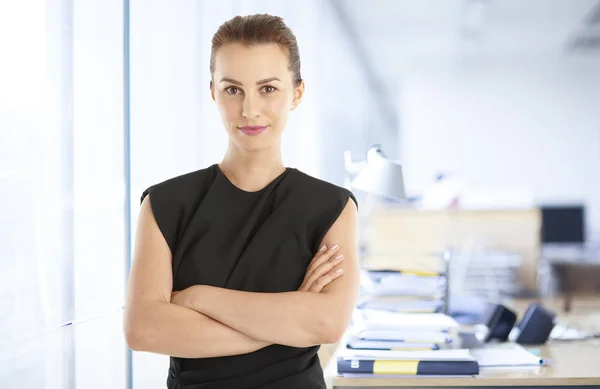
(298, 94)
(212, 91)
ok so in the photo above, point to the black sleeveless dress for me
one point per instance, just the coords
(260, 241)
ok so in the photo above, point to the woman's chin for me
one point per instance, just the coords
(253, 144)
(259, 142)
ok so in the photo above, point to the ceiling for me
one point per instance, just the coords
(429, 28)
(389, 39)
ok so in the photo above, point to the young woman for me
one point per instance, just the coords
(242, 269)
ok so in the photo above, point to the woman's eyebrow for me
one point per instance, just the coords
(236, 82)
(267, 80)
(232, 81)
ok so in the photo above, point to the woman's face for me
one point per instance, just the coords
(254, 90)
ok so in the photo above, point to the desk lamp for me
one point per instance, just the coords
(380, 176)
(377, 175)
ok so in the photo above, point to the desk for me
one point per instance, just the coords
(571, 364)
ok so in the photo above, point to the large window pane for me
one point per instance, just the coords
(62, 197)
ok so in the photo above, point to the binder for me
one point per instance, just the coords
(407, 367)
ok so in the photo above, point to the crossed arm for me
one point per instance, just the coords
(204, 321)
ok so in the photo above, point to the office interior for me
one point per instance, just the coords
(487, 112)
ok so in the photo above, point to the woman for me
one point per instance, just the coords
(237, 271)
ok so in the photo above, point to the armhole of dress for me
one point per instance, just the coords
(334, 214)
(351, 196)
(154, 204)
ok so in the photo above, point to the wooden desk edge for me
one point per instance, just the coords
(475, 381)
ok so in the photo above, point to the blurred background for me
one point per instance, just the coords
(491, 107)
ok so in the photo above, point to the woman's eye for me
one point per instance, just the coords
(269, 89)
(232, 90)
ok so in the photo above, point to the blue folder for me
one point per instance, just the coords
(404, 367)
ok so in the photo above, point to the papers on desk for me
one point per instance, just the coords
(405, 336)
(394, 355)
(399, 283)
(387, 342)
(412, 306)
(384, 330)
(360, 344)
(386, 339)
(506, 355)
(378, 319)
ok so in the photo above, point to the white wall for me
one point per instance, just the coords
(515, 125)
(175, 125)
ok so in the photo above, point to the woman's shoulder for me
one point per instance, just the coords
(312, 183)
(183, 186)
(317, 190)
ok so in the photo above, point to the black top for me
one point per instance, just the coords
(261, 241)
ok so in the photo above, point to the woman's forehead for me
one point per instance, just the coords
(251, 63)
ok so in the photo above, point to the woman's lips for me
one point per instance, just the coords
(252, 130)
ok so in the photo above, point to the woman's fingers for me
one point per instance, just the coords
(323, 269)
(326, 280)
(320, 258)
(322, 263)
(313, 260)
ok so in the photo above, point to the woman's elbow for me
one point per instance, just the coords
(136, 333)
(333, 334)
(134, 339)
(332, 330)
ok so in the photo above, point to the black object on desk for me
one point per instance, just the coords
(534, 328)
(500, 322)
(536, 325)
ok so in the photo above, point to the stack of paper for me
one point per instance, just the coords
(357, 343)
(390, 355)
(406, 336)
(384, 330)
(407, 291)
(398, 328)
(382, 320)
(403, 283)
(421, 305)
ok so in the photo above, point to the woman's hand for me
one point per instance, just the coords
(184, 297)
(320, 270)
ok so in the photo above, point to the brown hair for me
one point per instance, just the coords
(258, 29)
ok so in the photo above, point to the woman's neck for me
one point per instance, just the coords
(252, 171)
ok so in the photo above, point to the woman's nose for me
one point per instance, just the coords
(250, 107)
